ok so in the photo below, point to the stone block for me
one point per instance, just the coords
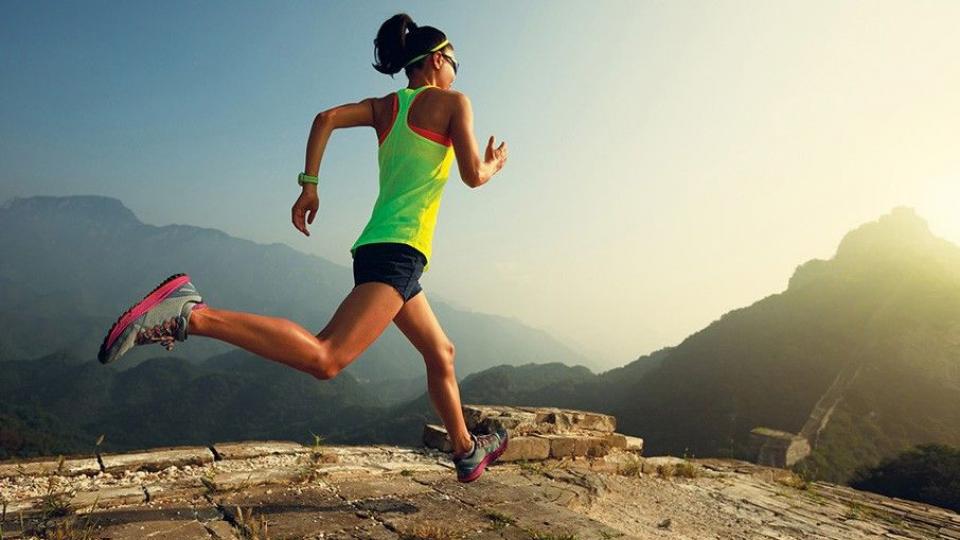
(250, 449)
(435, 436)
(516, 422)
(655, 464)
(107, 497)
(157, 460)
(616, 440)
(568, 445)
(24, 506)
(71, 467)
(634, 444)
(157, 530)
(186, 489)
(227, 481)
(526, 448)
(222, 530)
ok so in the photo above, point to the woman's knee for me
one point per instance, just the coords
(441, 358)
(324, 363)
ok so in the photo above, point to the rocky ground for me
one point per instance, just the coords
(394, 493)
(586, 482)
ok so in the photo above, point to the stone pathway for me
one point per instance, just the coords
(282, 490)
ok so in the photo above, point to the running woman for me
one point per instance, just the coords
(420, 128)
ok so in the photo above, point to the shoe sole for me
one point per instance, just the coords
(488, 459)
(151, 299)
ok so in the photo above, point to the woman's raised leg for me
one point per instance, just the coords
(417, 321)
(359, 320)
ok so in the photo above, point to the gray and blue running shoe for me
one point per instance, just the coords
(162, 316)
(486, 449)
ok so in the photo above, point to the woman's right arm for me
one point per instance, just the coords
(473, 170)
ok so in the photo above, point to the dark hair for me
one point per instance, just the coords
(400, 39)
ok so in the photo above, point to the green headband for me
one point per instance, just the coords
(433, 50)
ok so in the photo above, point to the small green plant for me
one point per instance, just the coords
(406, 472)
(854, 512)
(687, 470)
(318, 441)
(56, 520)
(207, 480)
(667, 470)
(318, 454)
(250, 528)
(633, 468)
(532, 467)
(543, 535)
(429, 532)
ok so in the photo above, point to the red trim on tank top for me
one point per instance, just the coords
(432, 135)
(393, 119)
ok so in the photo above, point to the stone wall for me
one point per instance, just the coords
(776, 448)
(538, 433)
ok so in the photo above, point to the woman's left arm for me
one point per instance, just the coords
(348, 115)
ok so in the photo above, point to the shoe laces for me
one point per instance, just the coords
(486, 439)
(165, 333)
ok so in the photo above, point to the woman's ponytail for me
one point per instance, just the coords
(390, 45)
(399, 40)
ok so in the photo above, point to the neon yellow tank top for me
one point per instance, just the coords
(414, 166)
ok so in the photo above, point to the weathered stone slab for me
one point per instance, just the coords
(550, 520)
(71, 467)
(157, 530)
(227, 481)
(567, 445)
(657, 463)
(618, 461)
(24, 506)
(222, 530)
(302, 513)
(616, 440)
(443, 516)
(569, 419)
(157, 460)
(368, 488)
(526, 448)
(435, 436)
(185, 489)
(107, 497)
(401, 466)
(474, 414)
(251, 449)
(514, 422)
(634, 444)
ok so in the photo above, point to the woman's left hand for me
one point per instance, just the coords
(308, 203)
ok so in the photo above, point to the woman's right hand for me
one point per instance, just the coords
(496, 156)
(307, 203)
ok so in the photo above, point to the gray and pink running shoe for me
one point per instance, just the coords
(486, 449)
(162, 316)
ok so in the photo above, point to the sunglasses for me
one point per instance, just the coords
(452, 60)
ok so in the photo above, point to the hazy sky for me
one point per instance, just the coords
(670, 161)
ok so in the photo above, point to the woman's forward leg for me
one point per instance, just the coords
(417, 321)
(359, 320)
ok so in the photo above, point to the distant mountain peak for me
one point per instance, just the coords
(899, 237)
(902, 229)
(88, 206)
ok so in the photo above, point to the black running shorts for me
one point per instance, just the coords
(393, 263)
